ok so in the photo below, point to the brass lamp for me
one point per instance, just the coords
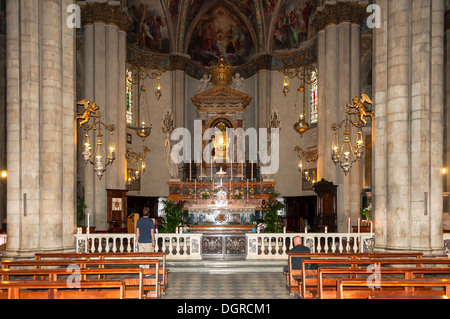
(354, 117)
(101, 160)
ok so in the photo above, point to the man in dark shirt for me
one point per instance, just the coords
(145, 232)
(298, 248)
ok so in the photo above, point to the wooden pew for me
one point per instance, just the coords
(82, 263)
(98, 289)
(136, 284)
(354, 263)
(327, 278)
(407, 288)
(102, 256)
(293, 275)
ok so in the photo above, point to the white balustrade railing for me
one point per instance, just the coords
(273, 246)
(185, 246)
(176, 246)
(105, 243)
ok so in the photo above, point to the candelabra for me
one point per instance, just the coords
(101, 161)
(354, 117)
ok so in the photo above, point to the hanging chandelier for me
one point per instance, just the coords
(303, 71)
(101, 160)
(141, 125)
(302, 126)
(347, 154)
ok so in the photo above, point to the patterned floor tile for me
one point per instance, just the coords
(226, 286)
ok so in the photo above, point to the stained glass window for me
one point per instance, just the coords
(314, 98)
(130, 97)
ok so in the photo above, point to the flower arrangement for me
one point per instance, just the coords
(205, 195)
(261, 226)
(238, 194)
(366, 213)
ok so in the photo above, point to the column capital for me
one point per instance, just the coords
(103, 13)
(339, 12)
(179, 60)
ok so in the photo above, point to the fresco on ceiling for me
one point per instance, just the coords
(220, 30)
(294, 24)
(149, 30)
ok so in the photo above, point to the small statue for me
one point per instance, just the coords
(204, 83)
(238, 83)
(359, 105)
(89, 108)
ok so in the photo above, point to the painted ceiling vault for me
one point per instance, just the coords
(205, 29)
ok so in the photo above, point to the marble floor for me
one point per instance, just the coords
(198, 285)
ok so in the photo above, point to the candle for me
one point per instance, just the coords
(284, 229)
(306, 229)
(87, 229)
(247, 188)
(201, 169)
(371, 228)
(326, 229)
(359, 220)
(349, 222)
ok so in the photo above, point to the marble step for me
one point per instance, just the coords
(227, 266)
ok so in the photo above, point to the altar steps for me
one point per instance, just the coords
(227, 266)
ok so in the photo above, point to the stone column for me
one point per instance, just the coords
(3, 122)
(105, 57)
(339, 60)
(408, 137)
(40, 157)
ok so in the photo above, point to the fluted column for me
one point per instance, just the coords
(408, 135)
(339, 60)
(40, 157)
(105, 58)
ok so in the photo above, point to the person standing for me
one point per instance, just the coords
(145, 232)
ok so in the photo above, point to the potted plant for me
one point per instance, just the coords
(174, 217)
(272, 220)
(366, 214)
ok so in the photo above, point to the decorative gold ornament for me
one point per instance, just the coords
(222, 72)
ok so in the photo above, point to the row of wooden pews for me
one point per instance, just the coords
(358, 276)
(85, 276)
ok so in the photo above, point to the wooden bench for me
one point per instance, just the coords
(98, 289)
(354, 263)
(292, 275)
(358, 289)
(139, 287)
(327, 278)
(83, 264)
(103, 256)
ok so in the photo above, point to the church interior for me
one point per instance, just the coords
(240, 124)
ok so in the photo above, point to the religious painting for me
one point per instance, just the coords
(294, 24)
(221, 31)
(149, 30)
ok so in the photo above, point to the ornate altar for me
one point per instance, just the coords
(223, 199)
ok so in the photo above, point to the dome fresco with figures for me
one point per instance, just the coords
(205, 29)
